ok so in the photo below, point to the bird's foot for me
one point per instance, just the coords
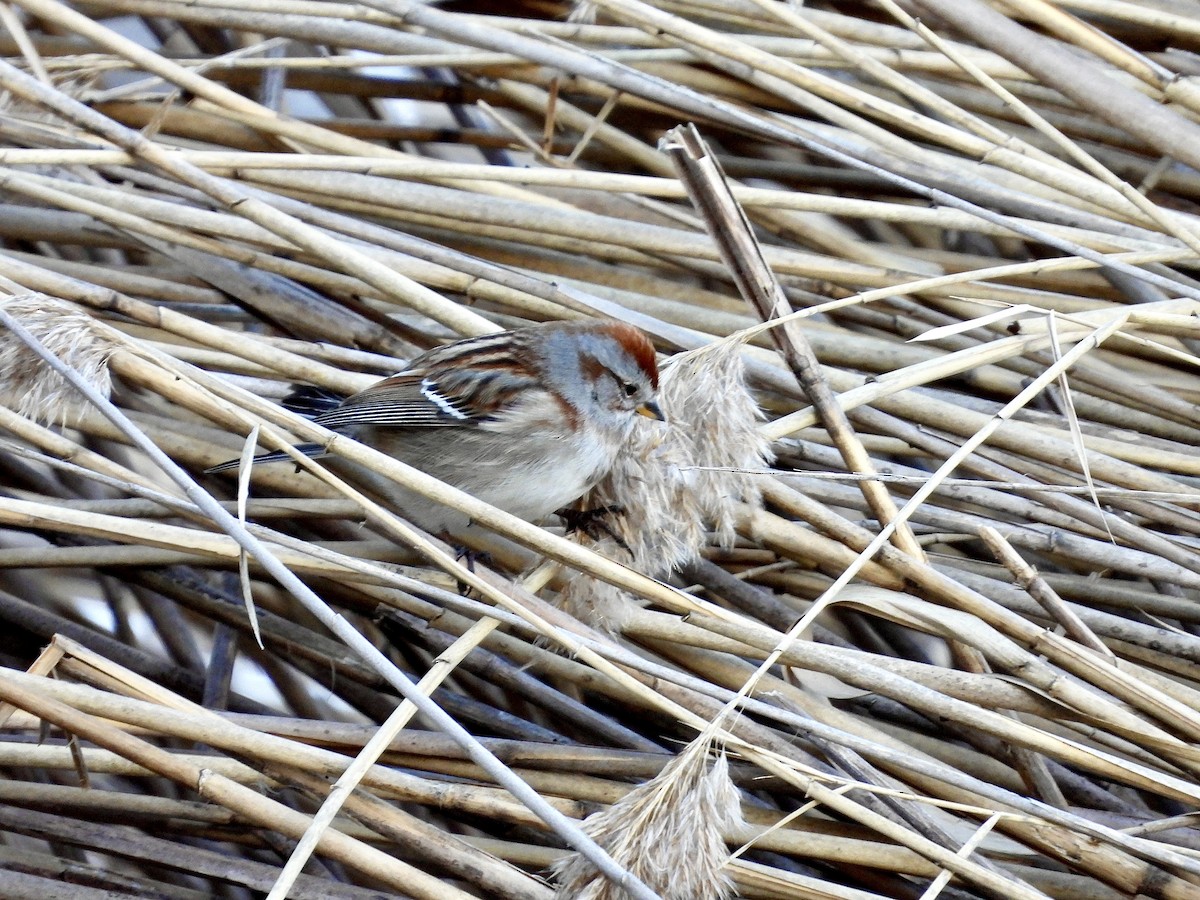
(469, 557)
(593, 522)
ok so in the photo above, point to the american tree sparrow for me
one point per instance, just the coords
(528, 420)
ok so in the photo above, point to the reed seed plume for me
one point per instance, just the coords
(714, 411)
(668, 832)
(656, 516)
(600, 604)
(27, 384)
(673, 483)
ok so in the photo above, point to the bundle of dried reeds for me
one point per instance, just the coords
(901, 603)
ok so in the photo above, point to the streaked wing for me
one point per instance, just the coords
(402, 401)
(467, 384)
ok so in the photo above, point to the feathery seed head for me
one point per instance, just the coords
(705, 391)
(668, 832)
(27, 384)
(659, 482)
(660, 524)
(670, 481)
(604, 607)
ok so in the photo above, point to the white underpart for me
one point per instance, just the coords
(429, 392)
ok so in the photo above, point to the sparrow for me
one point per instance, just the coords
(527, 420)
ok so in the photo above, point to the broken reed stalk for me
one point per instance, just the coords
(730, 229)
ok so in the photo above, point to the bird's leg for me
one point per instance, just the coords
(469, 557)
(593, 522)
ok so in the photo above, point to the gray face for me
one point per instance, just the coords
(621, 385)
(600, 375)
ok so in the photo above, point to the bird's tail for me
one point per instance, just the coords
(309, 402)
(313, 451)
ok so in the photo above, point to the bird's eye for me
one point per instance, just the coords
(629, 388)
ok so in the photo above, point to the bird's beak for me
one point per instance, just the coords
(650, 410)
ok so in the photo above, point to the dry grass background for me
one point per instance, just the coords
(943, 644)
